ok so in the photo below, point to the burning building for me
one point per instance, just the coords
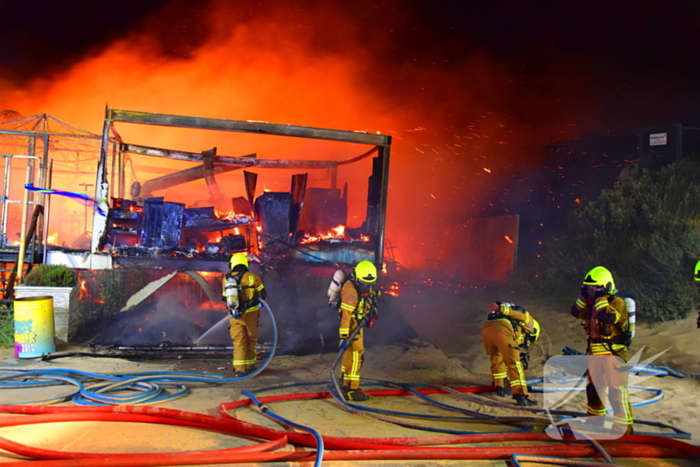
(133, 227)
(163, 211)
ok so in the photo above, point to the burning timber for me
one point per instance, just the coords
(307, 224)
(317, 199)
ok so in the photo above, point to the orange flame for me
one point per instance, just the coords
(393, 290)
(83, 291)
(335, 232)
(134, 72)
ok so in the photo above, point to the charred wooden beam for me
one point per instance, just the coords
(178, 178)
(262, 128)
(244, 161)
(249, 160)
(384, 155)
(183, 155)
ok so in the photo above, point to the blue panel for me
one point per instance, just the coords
(341, 252)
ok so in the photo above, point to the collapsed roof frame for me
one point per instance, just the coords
(381, 144)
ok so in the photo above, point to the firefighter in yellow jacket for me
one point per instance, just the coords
(241, 291)
(604, 314)
(357, 300)
(508, 327)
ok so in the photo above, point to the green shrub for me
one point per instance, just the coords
(646, 231)
(51, 275)
(7, 328)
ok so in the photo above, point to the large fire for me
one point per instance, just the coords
(338, 232)
(302, 65)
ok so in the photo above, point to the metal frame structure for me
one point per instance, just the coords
(381, 144)
(5, 199)
(63, 143)
(31, 173)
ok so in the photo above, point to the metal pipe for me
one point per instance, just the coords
(6, 193)
(40, 237)
(47, 211)
(23, 233)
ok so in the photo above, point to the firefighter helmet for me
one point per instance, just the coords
(365, 271)
(238, 258)
(601, 277)
(536, 330)
(697, 271)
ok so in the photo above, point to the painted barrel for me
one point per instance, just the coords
(34, 326)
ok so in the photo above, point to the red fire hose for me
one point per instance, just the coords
(337, 448)
(474, 453)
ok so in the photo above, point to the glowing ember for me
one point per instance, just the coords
(393, 290)
(231, 217)
(487, 170)
(508, 239)
(336, 232)
(83, 290)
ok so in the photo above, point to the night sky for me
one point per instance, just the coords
(603, 64)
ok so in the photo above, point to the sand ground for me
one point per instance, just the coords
(448, 351)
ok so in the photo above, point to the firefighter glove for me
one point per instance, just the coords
(525, 360)
(372, 319)
(586, 292)
(592, 291)
(524, 356)
(343, 344)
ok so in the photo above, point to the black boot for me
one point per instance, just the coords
(502, 391)
(355, 395)
(522, 400)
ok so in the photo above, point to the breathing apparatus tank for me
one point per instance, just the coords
(339, 278)
(232, 291)
(632, 312)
